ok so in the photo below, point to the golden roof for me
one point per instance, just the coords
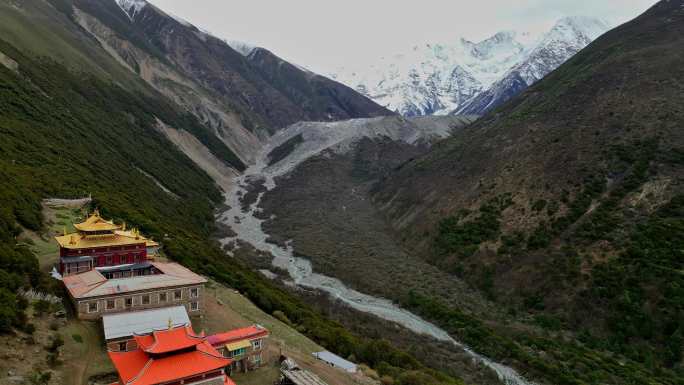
(119, 236)
(96, 223)
(135, 234)
(80, 241)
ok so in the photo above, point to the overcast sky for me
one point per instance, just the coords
(322, 34)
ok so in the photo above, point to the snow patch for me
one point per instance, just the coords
(242, 47)
(131, 7)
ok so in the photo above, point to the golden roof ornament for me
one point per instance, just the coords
(123, 226)
(170, 323)
(65, 233)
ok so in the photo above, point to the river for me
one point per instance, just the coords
(249, 229)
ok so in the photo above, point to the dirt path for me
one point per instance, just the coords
(71, 203)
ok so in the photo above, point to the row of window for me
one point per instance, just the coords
(145, 299)
(94, 251)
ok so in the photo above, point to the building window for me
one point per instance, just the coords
(146, 299)
(238, 352)
(92, 307)
(178, 294)
(194, 306)
(256, 359)
(109, 260)
(162, 297)
(123, 346)
(111, 304)
(129, 301)
(194, 292)
(256, 344)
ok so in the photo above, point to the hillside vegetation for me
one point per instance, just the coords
(70, 134)
(566, 204)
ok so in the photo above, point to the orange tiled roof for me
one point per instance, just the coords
(166, 341)
(139, 367)
(250, 332)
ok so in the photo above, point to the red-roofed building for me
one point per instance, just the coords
(173, 356)
(244, 346)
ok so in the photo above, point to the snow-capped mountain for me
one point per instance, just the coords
(468, 77)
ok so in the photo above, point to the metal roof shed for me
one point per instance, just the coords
(143, 322)
(336, 361)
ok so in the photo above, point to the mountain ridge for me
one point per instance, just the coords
(566, 201)
(469, 77)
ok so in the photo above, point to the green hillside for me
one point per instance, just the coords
(68, 134)
(565, 206)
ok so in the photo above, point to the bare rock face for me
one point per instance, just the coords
(264, 92)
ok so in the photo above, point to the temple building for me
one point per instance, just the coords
(245, 346)
(175, 355)
(100, 243)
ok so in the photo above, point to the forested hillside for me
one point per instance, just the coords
(65, 132)
(567, 202)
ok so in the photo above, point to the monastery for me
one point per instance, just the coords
(145, 305)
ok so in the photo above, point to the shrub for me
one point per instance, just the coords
(56, 341)
(40, 378)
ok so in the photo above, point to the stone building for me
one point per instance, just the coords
(144, 286)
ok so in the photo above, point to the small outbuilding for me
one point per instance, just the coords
(336, 361)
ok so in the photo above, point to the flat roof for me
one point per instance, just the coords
(143, 322)
(93, 284)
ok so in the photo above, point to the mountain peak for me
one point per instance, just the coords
(582, 25)
(131, 7)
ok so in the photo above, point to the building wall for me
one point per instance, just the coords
(84, 310)
(115, 345)
(109, 256)
(252, 359)
(75, 268)
(217, 380)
